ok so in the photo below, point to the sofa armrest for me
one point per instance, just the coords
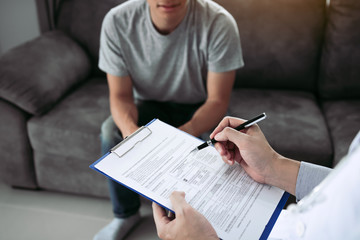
(35, 75)
(16, 162)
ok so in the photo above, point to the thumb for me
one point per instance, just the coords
(178, 201)
(159, 214)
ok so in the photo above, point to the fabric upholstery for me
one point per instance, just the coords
(72, 128)
(343, 118)
(295, 126)
(281, 42)
(340, 71)
(36, 83)
(69, 174)
(16, 163)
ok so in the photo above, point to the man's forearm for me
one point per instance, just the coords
(125, 115)
(122, 106)
(283, 174)
(205, 118)
(219, 87)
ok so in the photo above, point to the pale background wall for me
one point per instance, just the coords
(18, 23)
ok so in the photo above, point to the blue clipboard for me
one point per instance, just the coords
(143, 133)
(274, 216)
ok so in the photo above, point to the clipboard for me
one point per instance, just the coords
(128, 143)
(136, 142)
(122, 148)
(131, 141)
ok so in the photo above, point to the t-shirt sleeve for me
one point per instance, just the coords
(309, 176)
(225, 52)
(111, 59)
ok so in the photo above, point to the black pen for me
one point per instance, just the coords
(240, 127)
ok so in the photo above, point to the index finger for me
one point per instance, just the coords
(227, 122)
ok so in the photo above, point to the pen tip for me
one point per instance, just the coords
(194, 150)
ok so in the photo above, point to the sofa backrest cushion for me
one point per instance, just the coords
(35, 75)
(82, 20)
(281, 41)
(340, 65)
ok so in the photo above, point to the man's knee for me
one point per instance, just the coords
(109, 130)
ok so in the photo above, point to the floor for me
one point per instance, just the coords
(30, 215)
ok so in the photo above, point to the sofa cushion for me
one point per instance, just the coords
(281, 42)
(340, 71)
(72, 128)
(35, 75)
(343, 118)
(69, 174)
(295, 126)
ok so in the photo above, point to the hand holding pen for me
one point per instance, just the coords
(238, 127)
(255, 155)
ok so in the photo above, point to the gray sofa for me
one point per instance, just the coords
(302, 67)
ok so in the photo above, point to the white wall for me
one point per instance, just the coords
(18, 23)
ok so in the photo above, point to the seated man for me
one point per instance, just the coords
(330, 209)
(174, 60)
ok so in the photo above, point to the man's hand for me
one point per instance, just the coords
(252, 151)
(249, 148)
(189, 224)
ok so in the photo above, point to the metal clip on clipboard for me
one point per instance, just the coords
(131, 141)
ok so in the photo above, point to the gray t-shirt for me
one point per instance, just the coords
(169, 67)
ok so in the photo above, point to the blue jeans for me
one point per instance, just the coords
(126, 202)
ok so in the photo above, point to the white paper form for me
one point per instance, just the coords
(160, 163)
